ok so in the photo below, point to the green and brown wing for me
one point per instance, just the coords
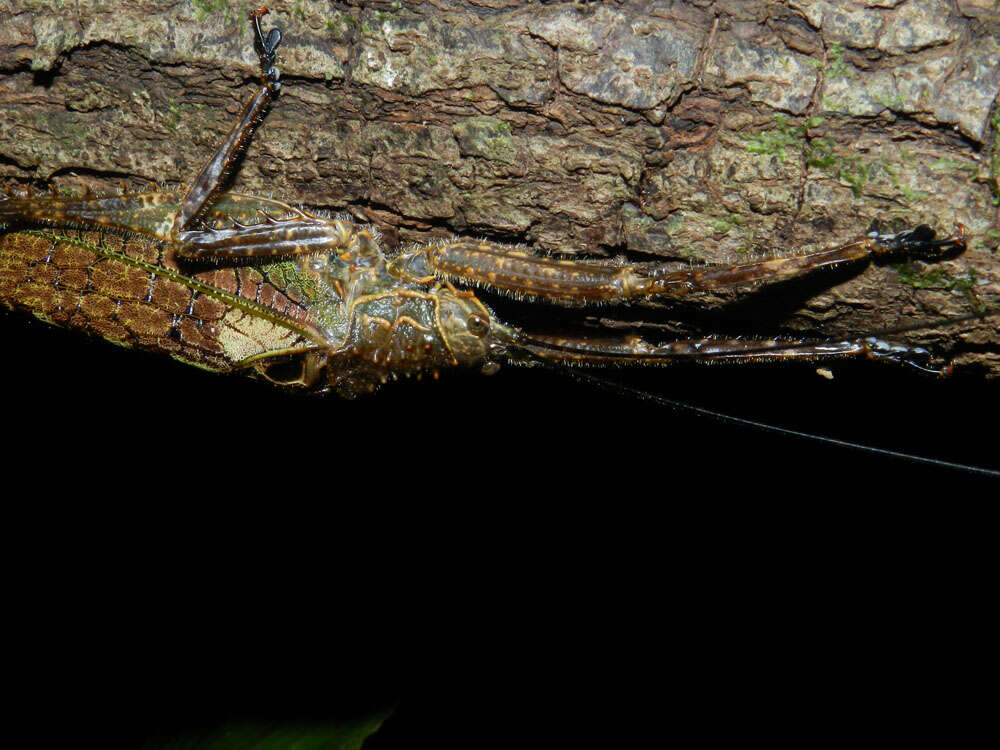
(128, 290)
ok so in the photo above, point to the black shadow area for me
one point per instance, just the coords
(516, 559)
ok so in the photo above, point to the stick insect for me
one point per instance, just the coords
(240, 283)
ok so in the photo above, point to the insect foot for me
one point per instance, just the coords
(917, 241)
(916, 357)
(265, 46)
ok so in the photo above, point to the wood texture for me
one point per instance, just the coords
(702, 131)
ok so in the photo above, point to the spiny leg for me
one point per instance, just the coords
(212, 176)
(523, 348)
(274, 237)
(496, 267)
(299, 234)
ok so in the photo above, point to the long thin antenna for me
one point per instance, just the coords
(608, 385)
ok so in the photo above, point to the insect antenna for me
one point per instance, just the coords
(522, 350)
(682, 406)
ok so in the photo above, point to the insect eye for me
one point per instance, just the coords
(478, 325)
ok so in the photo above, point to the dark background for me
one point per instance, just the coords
(518, 559)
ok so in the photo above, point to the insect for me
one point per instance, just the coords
(240, 283)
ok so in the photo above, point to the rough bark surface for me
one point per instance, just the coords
(692, 131)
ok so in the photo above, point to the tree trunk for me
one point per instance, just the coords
(690, 131)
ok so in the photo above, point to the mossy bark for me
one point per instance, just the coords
(689, 131)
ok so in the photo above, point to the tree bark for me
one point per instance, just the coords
(687, 131)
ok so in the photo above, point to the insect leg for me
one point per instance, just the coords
(274, 237)
(523, 275)
(211, 177)
(633, 350)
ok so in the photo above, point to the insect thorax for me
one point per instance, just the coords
(391, 323)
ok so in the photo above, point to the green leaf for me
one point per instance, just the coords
(347, 735)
